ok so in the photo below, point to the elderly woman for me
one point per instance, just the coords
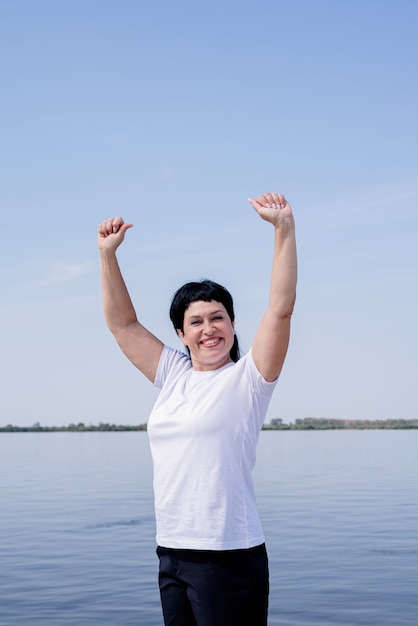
(204, 429)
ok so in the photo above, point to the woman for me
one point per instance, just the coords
(204, 429)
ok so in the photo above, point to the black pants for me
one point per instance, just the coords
(214, 588)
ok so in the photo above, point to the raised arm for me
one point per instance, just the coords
(141, 347)
(272, 337)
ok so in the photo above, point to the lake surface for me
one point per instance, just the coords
(339, 509)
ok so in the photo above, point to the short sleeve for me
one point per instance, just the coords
(258, 382)
(170, 358)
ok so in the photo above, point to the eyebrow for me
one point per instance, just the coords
(192, 317)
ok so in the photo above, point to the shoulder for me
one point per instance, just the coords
(171, 361)
(248, 369)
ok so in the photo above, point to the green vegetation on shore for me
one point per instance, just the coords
(71, 428)
(306, 423)
(324, 423)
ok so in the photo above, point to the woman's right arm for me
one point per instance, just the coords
(141, 347)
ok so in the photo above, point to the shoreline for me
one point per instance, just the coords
(307, 423)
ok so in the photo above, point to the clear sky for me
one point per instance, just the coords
(172, 114)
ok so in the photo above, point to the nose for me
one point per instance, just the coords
(209, 327)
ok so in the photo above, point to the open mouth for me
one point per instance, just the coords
(209, 343)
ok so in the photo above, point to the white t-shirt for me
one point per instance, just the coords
(203, 433)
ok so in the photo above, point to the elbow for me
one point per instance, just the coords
(291, 306)
(286, 314)
(119, 328)
(284, 308)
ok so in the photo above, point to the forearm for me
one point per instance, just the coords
(284, 271)
(117, 305)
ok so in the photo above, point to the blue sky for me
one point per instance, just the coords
(172, 115)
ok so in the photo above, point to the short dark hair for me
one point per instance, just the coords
(206, 290)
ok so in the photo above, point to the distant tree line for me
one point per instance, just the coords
(72, 428)
(325, 423)
(306, 423)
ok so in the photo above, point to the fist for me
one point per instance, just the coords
(111, 233)
(272, 207)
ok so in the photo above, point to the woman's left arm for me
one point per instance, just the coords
(272, 337)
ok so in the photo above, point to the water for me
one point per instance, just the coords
(339, 509)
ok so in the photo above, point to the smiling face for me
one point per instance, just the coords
(208, 332)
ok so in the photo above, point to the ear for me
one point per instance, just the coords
(181, 335)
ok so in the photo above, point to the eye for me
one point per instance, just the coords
(195, 322)
(217, 317)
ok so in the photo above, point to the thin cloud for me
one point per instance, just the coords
(57, 272)
(394, 203)
(166, 173)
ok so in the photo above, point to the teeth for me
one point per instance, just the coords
(210, 342)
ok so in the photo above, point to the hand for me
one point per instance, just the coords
(111, 233)
(273, 208)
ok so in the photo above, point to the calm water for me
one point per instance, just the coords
(340, 513)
